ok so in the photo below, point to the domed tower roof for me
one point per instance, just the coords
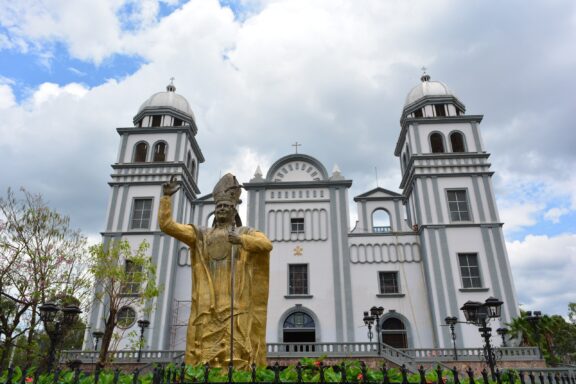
(169, 100)
(427, 87)
(431, 99)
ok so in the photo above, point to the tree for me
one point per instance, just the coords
(40, 257)
(124, 278)
(555, 337)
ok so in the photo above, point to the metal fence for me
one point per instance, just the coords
(177, 375)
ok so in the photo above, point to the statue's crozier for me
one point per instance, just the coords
(211, 251)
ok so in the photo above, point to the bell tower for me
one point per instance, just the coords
(448, 193)
(161, 143)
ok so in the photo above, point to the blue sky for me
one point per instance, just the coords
(261, 74)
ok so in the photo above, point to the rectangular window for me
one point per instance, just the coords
(177, 122)
(458, 205)
(440, 110)
(418, 113)
(132, 285)
(156, 120)
(298, 279)
(297, 225)
(388, 282)
(141, 213)
(469, 270)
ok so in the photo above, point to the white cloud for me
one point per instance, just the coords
(7, 98)
(517, 216)
(543, 269)
(50, 91)
(330, 74)
(554, 214)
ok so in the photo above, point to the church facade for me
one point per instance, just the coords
(420, 253)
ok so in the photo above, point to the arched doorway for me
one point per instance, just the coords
(299, 327)
(394, 333)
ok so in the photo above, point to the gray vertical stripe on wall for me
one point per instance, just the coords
(122, 212)
(426, 199)
(440, 292)
(450, 281)
(336, 267)
(409, 214)
(479, 198)
(429, 277)
(251, 214)
(161, 306)
(171, 287)
(177, 150)
(112, 212)
(397, 212)
(436, 190)
(261, 210)
(365, 218)
(415, 193)
(349, 308)
(508, 288)
(492, 262)
(157, 261)
(489, 198)
(417, 138)
(476, 135)
(123, 144)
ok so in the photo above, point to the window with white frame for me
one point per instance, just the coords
(458, 205)
(388, 282)
(133, 273)
(469, 270)
(298, 279)
(125, 317)
(141, 213)
(297, 225)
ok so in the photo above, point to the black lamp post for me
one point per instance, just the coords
(143, 324)
(368, 321)
(451, 321)
(480, 314)
(533, 319)
(56, 321)
(502, 332)
(97, 336)
(374, 318)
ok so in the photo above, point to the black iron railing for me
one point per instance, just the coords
(180, 375)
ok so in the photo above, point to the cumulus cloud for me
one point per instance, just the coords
(329, 74)
(543, 269)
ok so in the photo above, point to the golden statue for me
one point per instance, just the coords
(230, 273)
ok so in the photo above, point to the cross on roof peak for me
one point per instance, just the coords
(296, 145)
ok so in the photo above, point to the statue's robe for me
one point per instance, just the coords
(208, 335)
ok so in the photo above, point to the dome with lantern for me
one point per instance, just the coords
(431, 99)
(165, 109)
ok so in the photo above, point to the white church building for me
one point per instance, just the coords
(420, 252)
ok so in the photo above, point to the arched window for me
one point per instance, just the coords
(299, 327)
(457, 141)
(160, 151)
(437, 143)
(141, 152)
(381, 221)
(394, 333)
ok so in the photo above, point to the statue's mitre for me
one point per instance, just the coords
(227, 189)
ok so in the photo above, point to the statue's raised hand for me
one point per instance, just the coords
(170, 187)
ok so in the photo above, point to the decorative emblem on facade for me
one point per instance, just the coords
(298, 251)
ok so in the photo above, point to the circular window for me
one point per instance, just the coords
(126, 317)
